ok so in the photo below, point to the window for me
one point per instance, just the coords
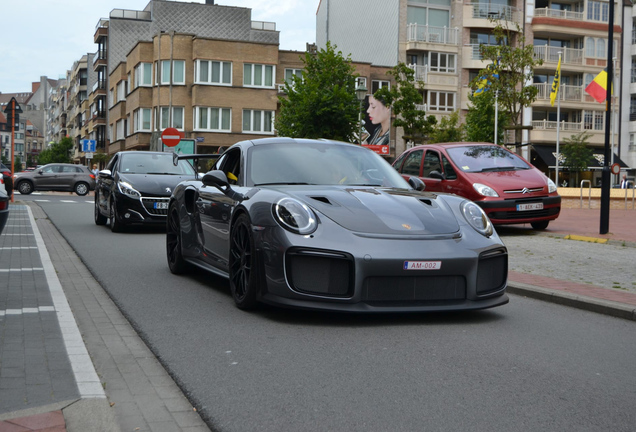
(164, 118)
(121, 130)
(143, 75)
(431, 163)
(121, 91)
(436, 13)
(177, 71)
(597, 11)
(141, 120)
(289, 73)
(258, 75)
(378, 84)
(412, 163)
(212, 119)
(593, 120)
(442, 62)
(213, 72)
(258, 121)
(441, 101)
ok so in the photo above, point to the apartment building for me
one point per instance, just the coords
(57, 112)
(628, 117)
(440, 39)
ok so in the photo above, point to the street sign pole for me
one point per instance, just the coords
(12, 141)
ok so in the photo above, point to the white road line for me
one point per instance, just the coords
(87, 380)
(28, 269)
(27, 310)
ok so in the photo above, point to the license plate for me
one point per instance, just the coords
(161, 205)
(534, 206)
(422, 265)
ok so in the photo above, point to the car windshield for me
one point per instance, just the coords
(485, 158)
(151, 163)
(320, 164)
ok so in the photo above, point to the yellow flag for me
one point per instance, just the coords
(555, 84)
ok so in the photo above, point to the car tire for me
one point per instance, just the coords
(242, 264)
(540, 226)
(81, 188)
(25, 187)
(115, 225)
(100, 219)
(176, 263)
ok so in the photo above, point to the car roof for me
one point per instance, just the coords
(455, 144)
(287, 140)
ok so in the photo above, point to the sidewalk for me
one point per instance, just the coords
(87, 370)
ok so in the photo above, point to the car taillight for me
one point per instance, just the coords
(92, 176)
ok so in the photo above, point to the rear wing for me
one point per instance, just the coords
(194, 158)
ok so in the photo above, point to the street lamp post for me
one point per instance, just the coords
(361, 94)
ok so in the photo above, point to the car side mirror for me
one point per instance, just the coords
(40, 171)
(437, 175)
(218, 179)
(416, 183)
(105, 174)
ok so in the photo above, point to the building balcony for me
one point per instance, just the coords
(472, 57)
(567, 94)
(569, 57)
(488, 15)
(436, 76)
(560, 14)
(544, 131)
(100, 59)
(101, 30)
(417, 35)
(99, 88)
(553, 21)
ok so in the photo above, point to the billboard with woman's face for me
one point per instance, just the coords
(377, 122)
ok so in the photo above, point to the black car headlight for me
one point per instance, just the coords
(295, 216)
(477, 218)
(128, 190)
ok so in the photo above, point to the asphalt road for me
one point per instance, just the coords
(525, 366)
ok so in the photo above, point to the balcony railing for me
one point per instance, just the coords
(263, 25)
(101, 85)
(567, 93)
(130, 14)
(421, 72)
(431, 34)
(551, 54)
(496, 11)
(556, 13)
(475, 51)
(565, 126)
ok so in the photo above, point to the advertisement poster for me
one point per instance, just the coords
(377, 125)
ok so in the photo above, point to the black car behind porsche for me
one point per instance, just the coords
(136, 186)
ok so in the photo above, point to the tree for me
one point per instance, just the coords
(57, 152)
(514, 67)
(576, 154)
(322, 102)
(404, 98)
(99, 157)
(448, 130)
(480, 119)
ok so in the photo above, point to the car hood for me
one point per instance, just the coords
(381, 211)
(154, 184)
(510, 180)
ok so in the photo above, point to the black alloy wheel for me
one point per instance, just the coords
(176, 263)
(243, 269)
(81, 188)
(115, 225)
(100, 219)
(25, 187)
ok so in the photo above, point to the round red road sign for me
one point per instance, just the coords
(171, 137)
(616, 169)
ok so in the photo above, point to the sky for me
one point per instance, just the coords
(45, 37)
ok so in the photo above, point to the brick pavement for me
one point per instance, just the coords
(40, 388)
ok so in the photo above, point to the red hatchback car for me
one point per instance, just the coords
(507, 187)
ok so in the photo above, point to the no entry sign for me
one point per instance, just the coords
(171, 137)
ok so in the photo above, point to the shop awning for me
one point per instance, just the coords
(548, 155)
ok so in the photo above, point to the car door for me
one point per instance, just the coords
(67, 177)
(215, 209)
(106, 185)
(47, 177)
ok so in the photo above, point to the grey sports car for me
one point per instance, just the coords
(326, 225)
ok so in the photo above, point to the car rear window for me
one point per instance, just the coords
(485, 158)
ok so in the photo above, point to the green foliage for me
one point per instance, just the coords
(99, 157)
(576, 154)
(448, 130)
(516, 65)
(480, 119)
(323, 103)
(403, 98)
(57, 152)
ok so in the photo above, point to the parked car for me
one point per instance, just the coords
(326, 225)
(7, 179)
(4, 207)
(507, 187)
(55, 177)
(135, 188)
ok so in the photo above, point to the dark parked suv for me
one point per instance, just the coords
(135, 188)
(55, 177)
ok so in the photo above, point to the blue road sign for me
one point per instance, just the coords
(88, 145)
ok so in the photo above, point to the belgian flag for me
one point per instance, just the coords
(598, 87)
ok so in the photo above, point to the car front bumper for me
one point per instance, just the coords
(141, 210)
(508, 211)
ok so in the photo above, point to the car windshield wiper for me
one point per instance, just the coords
(504, 168)
(163, 173)
(282, 183)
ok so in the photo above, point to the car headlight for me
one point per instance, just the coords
(128, 190)
(295, 216)
(551, 186)
(477, 218)
(484, 190)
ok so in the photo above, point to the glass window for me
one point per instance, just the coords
(258, 121)
(179, 72)
(214, 72)
(143, 74)
(213, 119)
(479, 158)
(412, 163)
(165, 72)
(441, 101)
(258, 75)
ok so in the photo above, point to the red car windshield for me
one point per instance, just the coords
(485, 158)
